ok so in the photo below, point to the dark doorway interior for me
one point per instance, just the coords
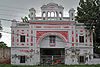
(82, 59)
(52, 51)
(52, 56)
(22, 59)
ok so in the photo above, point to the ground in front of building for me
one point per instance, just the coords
(9, 65)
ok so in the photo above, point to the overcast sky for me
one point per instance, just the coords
(15, 9)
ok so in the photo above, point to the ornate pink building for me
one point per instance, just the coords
(51, 39)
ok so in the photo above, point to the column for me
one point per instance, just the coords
(50, 15)
(46, 15)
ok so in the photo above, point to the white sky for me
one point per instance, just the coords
(15, 9)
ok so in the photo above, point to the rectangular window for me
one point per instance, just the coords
(22, 59)
(22, 38)
(82, 59)
(81, 39)
(52, 39)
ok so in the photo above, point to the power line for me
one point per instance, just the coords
(13, 7)
(8, 20)
(10, 15)
(21, 9)
(12, 11)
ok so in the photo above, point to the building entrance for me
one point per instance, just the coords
(52, 56)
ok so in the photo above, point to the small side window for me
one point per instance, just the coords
(22, 38)
(81, 59)
(52, 39)
(22, 59)
(81, 39)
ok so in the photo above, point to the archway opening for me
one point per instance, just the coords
(52, 56)
(52, 50)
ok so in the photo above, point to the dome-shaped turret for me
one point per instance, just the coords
(52, 10)
(72, 14)
(32, 14)
(31, 9)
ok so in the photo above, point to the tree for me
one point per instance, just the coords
(25, 19)
(3, 45)
(89, 14)
(0, 29)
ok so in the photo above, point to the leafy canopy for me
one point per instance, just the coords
(3, 45)
(89, 13)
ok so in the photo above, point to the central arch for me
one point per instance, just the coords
(49, 34)
(47, 53)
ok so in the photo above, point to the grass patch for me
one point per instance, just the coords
(9, 65)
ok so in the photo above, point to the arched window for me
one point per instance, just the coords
(72, 14)
(44, 14)
(60, 14)
(48, 14)
(55, 14)
(72, 19)
(52, 14)
(31, 13)
(52, 39)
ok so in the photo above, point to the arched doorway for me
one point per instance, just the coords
(52, 50)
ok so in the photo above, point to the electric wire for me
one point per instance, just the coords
(8, 20)
(13, 11)
(10, 15)
(22, 9)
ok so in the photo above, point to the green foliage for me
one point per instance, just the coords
(0, 26)
(89, 14)
(0, 29)
(3, 45)
(25, 19)
(0, 35)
